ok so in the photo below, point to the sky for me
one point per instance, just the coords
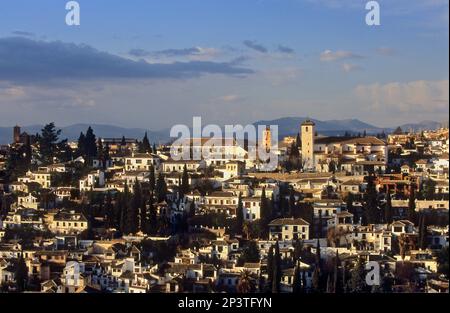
(152, 64)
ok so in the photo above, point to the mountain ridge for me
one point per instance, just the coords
(287, 126)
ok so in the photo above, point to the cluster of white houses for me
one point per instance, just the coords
(332, 169)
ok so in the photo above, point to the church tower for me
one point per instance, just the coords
(267, 139)
(307, 131)
(16, 134)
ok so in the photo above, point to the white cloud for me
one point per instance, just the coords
(330, 56)
(415, 96)
(348, 67)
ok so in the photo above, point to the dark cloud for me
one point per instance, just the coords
(23, 33)
(139, 53)
(285, 49)
(25, 60)
(255, 46)
(167, 53)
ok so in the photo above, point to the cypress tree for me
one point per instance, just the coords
(317, 274)
(412, 204)
(109, 211)
(90, 145)
(239, 216)
(265, 213)
(291, 203)
(133, 209)
(270, 267)
(388, 209)
(184, 181)
(320, 226)
(276, 279)
(153, 220)
(422, 232)
(336, 273)
(21, 274)
(152, 179)
(297, 282)
(145, 145)
(371, 204)
(161, 188)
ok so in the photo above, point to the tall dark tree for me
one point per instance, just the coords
(239, 215)
(152, 179)
(161, 188)
(388, 208)
(184, 181)
(145, 146)
(152, 218)
(317, 274)
(48, 143)
(320, 225)
(371, 211)
(90, 143)
(297, 281)
(291, 203)
(276, 279)
(411, 213)
(270, 267)
(81, 145)
(21, 274)
(266, 214)
(423, 233)
(133, 209)
(429, 189)
(109, 211)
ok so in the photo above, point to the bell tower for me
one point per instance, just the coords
(307, 131)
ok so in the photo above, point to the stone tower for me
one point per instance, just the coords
(307, 131)
(16, 134)
(267, 139)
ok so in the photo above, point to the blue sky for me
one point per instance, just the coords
(157, 63)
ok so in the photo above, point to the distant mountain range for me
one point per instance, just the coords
(72, 132)
(286, 126)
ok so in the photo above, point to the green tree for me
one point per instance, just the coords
(250, 253)
(48, 143)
